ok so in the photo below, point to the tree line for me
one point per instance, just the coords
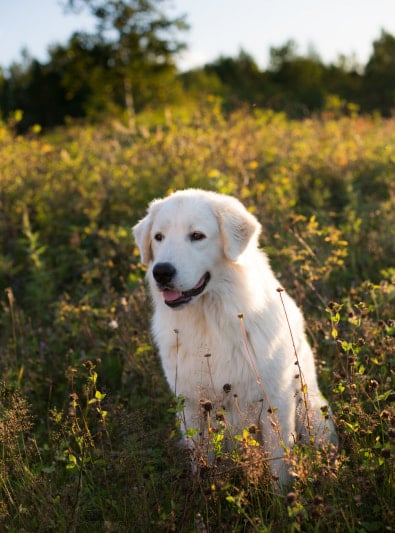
(128, 64)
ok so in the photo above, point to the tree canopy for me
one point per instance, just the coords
(129, 63)
(138, 45)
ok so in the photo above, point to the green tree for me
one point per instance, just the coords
(142, 43)
(86, 77)
(297, 80)
(241, 78)
(343, 81)
(380, 75)
(198, 84)
(279, 56)
(37, 89)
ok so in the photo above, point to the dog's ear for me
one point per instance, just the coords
(238, 227)
(142, 233)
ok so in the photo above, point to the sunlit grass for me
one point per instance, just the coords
(88, 432)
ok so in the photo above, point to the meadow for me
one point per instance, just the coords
(88, 432)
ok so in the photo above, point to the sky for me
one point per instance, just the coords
(217, 27)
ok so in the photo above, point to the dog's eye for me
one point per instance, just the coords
(197, 236)
(158, 237)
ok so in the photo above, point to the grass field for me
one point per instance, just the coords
(88, 433)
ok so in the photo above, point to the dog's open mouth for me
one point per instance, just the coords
(176, 298)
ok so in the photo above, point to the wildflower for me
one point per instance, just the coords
(113, 324)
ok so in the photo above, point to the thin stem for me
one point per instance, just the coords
(302, 383)
(271, 409)
(176, 376)
(11, 300)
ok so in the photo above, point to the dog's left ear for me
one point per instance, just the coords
(238, 227)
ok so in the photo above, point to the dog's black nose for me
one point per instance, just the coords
(163, 273)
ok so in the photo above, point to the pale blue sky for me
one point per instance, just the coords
(218, 27)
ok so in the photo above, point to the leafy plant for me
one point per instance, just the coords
(88, 430)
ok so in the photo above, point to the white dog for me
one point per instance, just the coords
(232, 343)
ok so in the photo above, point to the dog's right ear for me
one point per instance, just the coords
(142, 233)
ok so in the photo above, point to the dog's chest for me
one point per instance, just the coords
(206, 363)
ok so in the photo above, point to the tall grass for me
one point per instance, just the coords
(88, 431)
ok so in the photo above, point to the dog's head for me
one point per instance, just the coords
(185, 235)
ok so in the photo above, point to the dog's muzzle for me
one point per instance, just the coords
(164, 273)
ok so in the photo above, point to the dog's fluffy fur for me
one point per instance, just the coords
(221, 328)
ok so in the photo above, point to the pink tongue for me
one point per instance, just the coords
(170, 296)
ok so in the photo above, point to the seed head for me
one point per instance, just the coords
(206, 405)
(227, 387)
(386, 453)
(318, 499)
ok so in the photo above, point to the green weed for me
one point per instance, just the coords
(88, 427)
